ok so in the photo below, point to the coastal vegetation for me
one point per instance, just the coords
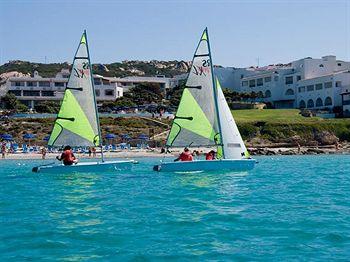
(118, 69)
(258, 127)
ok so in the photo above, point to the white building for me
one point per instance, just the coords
(308, 82)
(165, 83)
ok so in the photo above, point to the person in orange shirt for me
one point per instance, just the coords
(210, 155)
(185, 156)
(67, 157)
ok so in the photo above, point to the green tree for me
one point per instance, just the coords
(10, 102)
(51, 107)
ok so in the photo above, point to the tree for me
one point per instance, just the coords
(51, 107)
(10, 102)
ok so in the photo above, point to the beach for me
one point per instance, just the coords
(156, 153)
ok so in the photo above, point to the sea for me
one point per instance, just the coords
(289, 208)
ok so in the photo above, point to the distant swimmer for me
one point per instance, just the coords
(185, 156)
(210, 155)
(67, 157)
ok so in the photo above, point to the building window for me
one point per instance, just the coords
(47, 93)
(17, 83)
(97, 92)
(319, 102)
(118, 94)
(302, 104)
(289, 80)
(109, 92)
(31, 93)
(267, 93)
(30, 83)
(267, 79)
(310, 88)
(289, 92)
(259, 82)
(44, 83)
(328, 101)
(105, 82)
(321, 65)
(301, 89)
(97, 81)
(252, 83)
(15, 92)
(338, 84)
(310, 103)
(298, 78)
(318, 86)
(339, 64)
(244, 83)
(275, 78)
(328, 85)
(61, 84)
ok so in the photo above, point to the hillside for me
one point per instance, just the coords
(118, 69)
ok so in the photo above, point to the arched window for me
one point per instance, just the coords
(328, 101)
(267, 93)
(310, 103)
(289, 92)
(319, 102)
(302, 104)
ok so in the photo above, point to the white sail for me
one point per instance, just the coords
(233, 145)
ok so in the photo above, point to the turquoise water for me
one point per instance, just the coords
(288, 208)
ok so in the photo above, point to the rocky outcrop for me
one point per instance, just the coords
(326, 138)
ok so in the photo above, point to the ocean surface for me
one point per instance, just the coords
(287, 208)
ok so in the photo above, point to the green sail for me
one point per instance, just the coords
(77, 122)
(196, 122)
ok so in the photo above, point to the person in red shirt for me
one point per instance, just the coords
(210, 155)
(185, 156)
(67, 156)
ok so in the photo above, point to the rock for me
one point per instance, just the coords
(306, 113)
(326, 138)
(315, 151)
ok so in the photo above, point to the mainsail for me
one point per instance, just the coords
(77, 121)
(233, 145)
(196, 123)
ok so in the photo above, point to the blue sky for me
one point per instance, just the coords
(240, 31)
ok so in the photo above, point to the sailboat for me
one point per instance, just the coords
(77, 123)
(204, 119)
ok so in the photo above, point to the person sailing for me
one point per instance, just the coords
(210, 155)
(185, 156)
(67, 156)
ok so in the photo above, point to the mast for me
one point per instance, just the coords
(95, 104)
(215, 94)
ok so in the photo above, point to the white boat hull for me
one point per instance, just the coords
(86, 167)
(235, 165)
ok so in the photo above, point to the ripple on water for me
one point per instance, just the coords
(290, 208)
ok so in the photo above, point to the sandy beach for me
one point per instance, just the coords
(137, 153)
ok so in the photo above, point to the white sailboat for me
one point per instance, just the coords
(77, 123)
(204, 119)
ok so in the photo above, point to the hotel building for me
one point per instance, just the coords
(305, 83)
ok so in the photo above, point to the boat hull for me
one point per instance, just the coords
(235, 165)
(85, 167)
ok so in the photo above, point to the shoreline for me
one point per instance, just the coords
(254, 151)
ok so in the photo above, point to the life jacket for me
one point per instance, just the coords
(209, 156)
(186, 156)
(68, 157)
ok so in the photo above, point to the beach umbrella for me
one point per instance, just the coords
(46, 138)
(110, 137)
(125, 136)
(143, 137)
(7, 137)
(28, 137)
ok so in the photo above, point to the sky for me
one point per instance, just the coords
(242, 33)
